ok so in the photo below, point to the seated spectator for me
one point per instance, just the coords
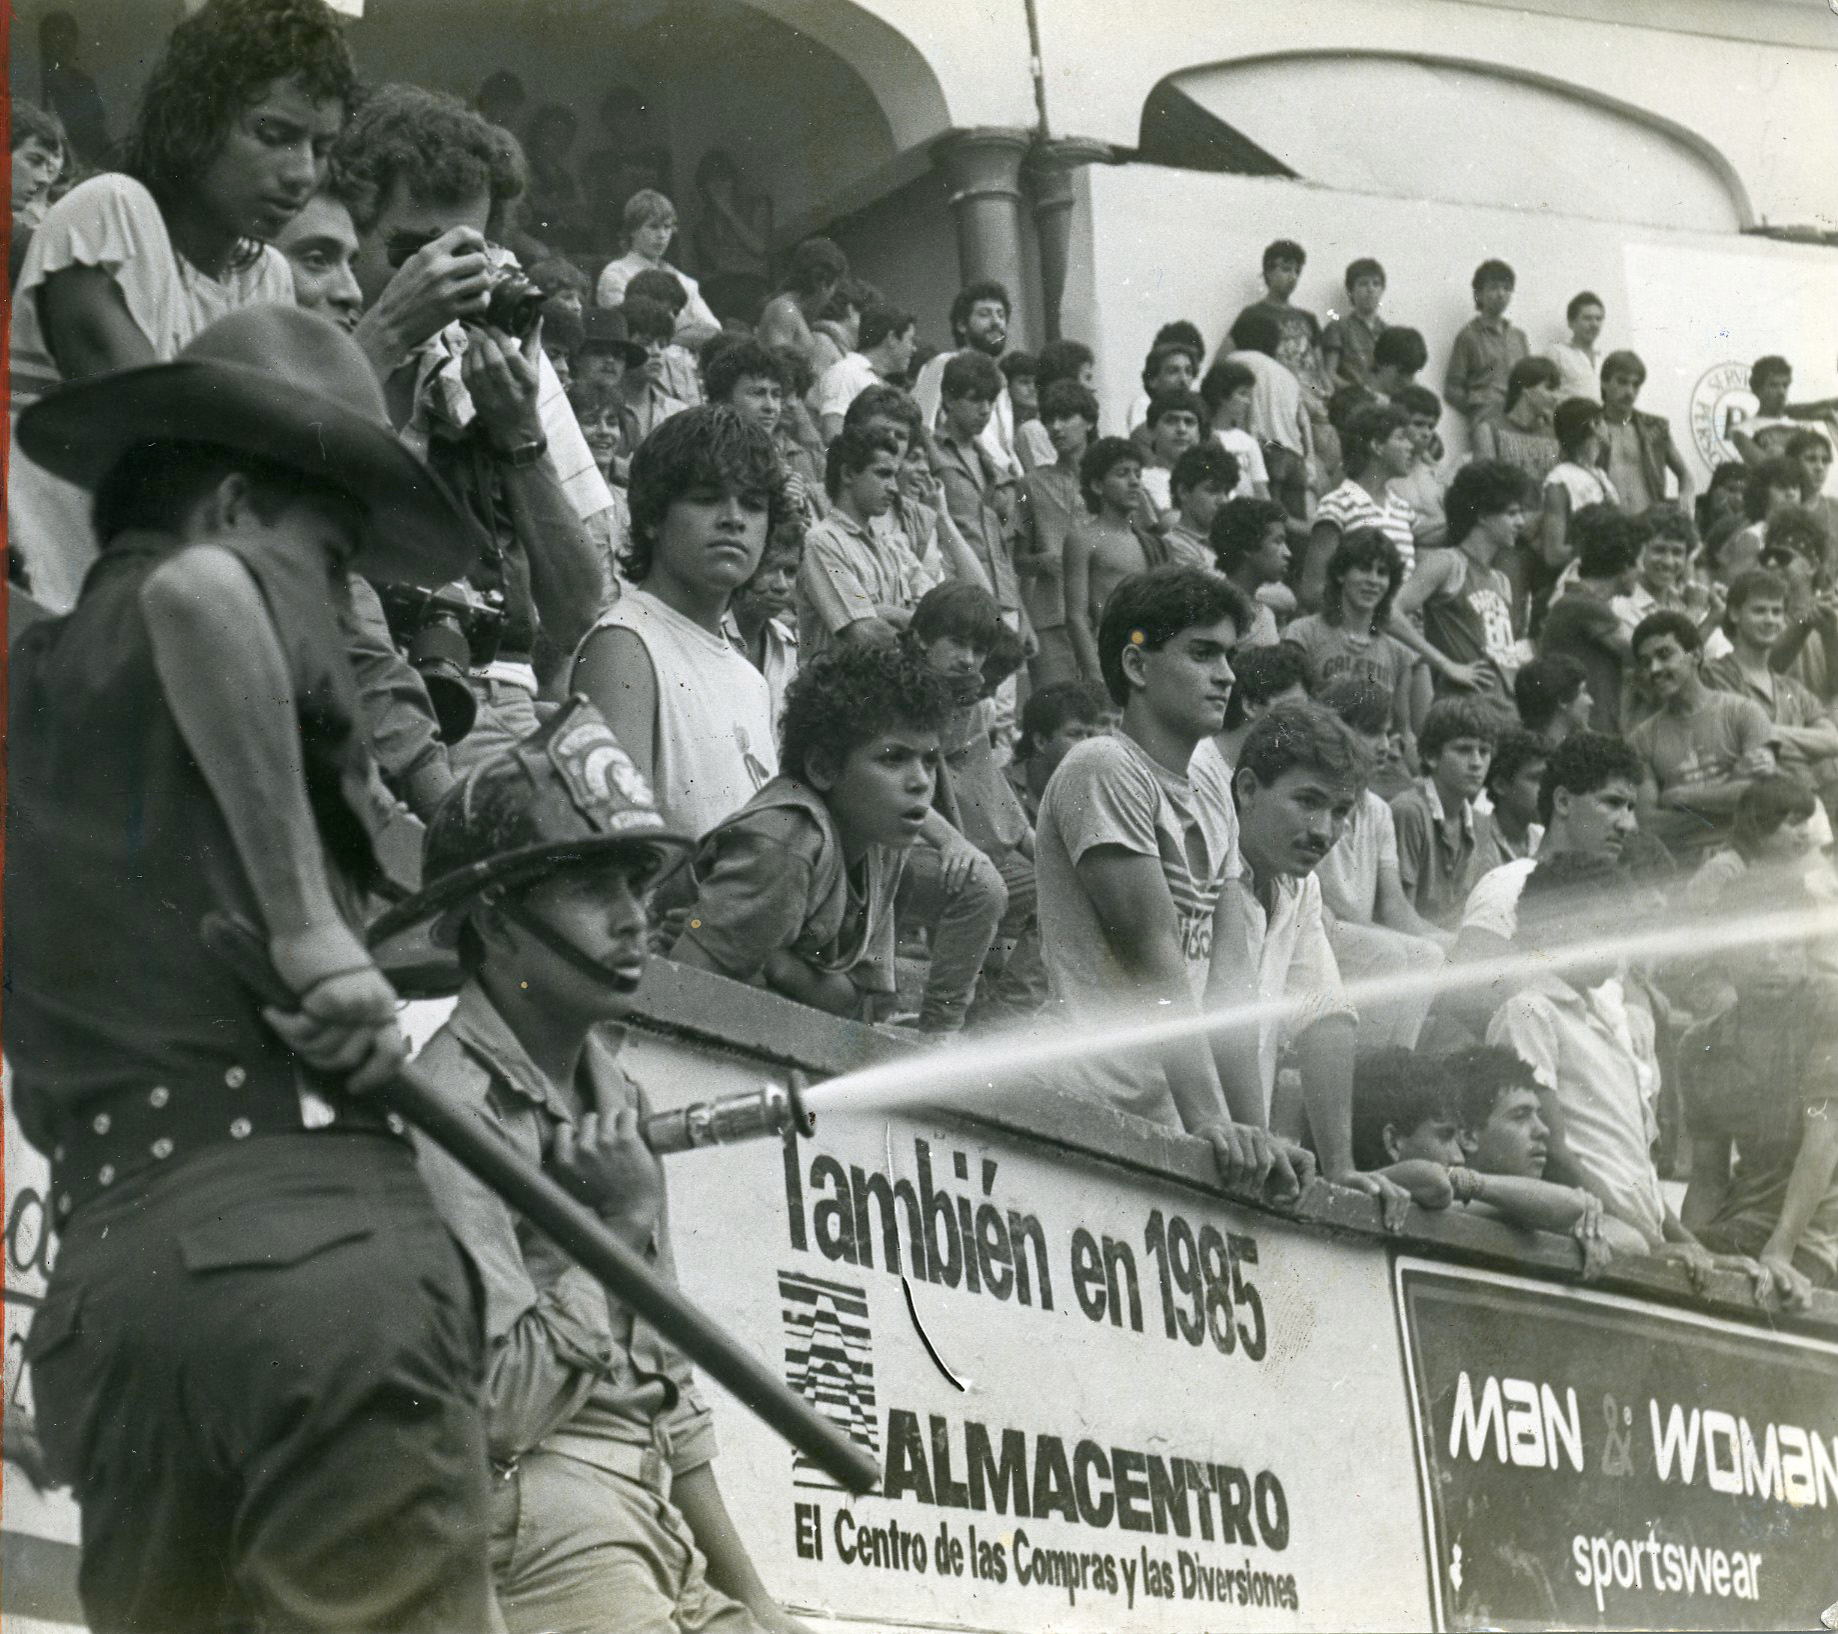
(884, 349)
(1278, 419)
(1515, 780)
(1578, 362)
(1109, 546)
(1265, 677)
(1582, 622)
(681, 377)
(1765, 434)
(642, 392)
(764, 615)
(1757, 1086)
(1576, 482)
(857, 582)
(834, 334)
(1421, 488)
(1722, 497)
(1813, 449)
(1227, 392)
(1377, 448)
(979, 328)
(1407, 1123)
(1553, 698)
(1054, 720)
(597, 390)
(1637, 447)
(1398, 357)
(1022, 372)
(1066, 360)
(1200, 483)
(1347, 343)
(1773, 487)
(1592, 1093)
(1172, 365)
(979, 493)
(650, 223)
(1805, 736)
(800, 444)
(795, 891)
(1444, 844)
(814, 271)
(40, 155)
(919, 519)
(1520, 433)
(1348, 637)
(1486, 347)
(740, 373)
(1466, 603)
(578, 1391)
(1371, 926)
(1295, 787)
(694, 715)
(1132, 853)
(1173, 424)
(1052, 503)
(1701, 749)
(1248, 541)
(1664, 577)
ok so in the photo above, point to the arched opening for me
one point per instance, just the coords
(1441, 128)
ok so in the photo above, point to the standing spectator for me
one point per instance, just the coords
(980, 315)
(1032, 445)
(1553, 698)
(127, 267)
(1347, 343)
(733, 238)
(1282, 269)
(1349, 638)
(1227, 391)
(1469, 638)
(1591, 1078)
(1637, 447)
(1172, 365)
(1108, 546)
(1371, 926)
(760, 608)
(1132, 854)
(1701, 749)
(1202, 480)
(650, 224)
(1757, 1085)
(1520, 434)
(814, 272)
(1576, 482)
(1278, 419)
(884, 349)
(1578, 362)
(1486, 348)
(1444, 844)
(1582, 622)
(1052, 504)
(979, 493)
(1766, 433)
(1248, 541)
(856, 582)
(692, 712)
(1421, 488)
(1173, 425)
(1377, 448)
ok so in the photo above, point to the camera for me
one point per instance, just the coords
(445, 633)
(515, 305)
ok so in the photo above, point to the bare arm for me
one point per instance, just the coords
(88, 328)
(1687, 483)
(1078, 603)
(1486, 445)
(615, 672)
(1710, 1180)
(1809, 1182)
(730, 1567)
(1393, 910)
(1323, 540)
(1554, 536)
(1324, 1057)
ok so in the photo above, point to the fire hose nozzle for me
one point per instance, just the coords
(758, 1114)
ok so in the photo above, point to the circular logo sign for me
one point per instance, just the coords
(1720, 402)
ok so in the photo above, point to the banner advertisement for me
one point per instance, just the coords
(1589, 1461)
(1098, 1403)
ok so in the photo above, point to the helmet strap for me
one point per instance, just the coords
(554, 941)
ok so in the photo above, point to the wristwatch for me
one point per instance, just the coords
(523, 454)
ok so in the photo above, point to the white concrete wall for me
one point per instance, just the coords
(1170, 243)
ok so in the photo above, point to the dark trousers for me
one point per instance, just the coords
(260, 1372)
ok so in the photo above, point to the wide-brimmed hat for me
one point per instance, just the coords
(289, 387)
(606, 331)
(566, 795)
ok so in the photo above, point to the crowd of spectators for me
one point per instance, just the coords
(981, 712)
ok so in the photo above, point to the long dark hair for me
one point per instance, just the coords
(1363, 547)
(215, 65)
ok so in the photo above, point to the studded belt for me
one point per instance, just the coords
(115, 1140)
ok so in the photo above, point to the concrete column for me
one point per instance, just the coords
(1050, 166)
(983, 167)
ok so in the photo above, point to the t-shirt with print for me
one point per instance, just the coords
(1334, 653)
(1686, 751)
(1108, 792)
(1349, 508)
(1470, 621)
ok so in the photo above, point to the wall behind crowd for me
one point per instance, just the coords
(1698, 307)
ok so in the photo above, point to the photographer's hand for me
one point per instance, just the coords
(448, 278)
(501, 377)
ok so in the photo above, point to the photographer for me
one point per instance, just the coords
(427, 183)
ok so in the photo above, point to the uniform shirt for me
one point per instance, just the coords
(110, 222)
(848, 573)
(1108, 792)
(1755, 1074)
(1578, 1052)
(1438, 869)
(568, 1368)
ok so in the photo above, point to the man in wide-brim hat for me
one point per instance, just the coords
(257, 1361)
(536, 870)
